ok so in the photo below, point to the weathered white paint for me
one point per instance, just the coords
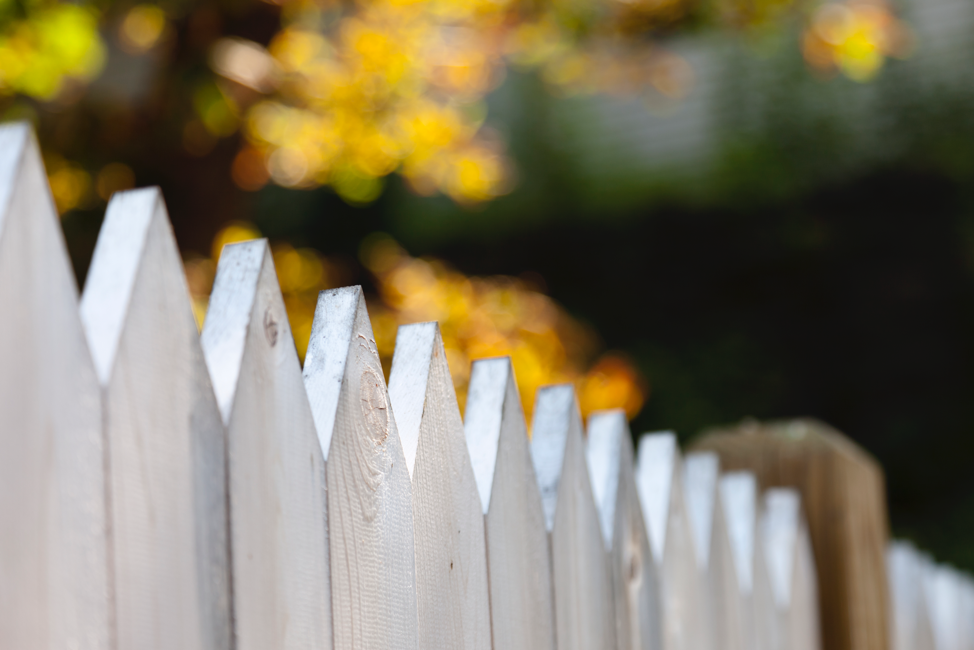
(53, 544)
(660, 486)
(949, 595)
(278, 510)
(584, 617)
(791, 571)
(370, 522)
(635, 585)
(910, 626)
(519, 563)
(701, 471)
(451, 558)
(745, 592)
(166, 443)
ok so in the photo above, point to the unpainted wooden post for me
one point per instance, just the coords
(166, 443)
(451, 558)
(791, 569)
(370, 514)
(278, 511)
(745, 587)
(53, 545)
(909, 611)
(658, 479)
(582, 581)
(700, 474)
(519, 562)
(635, 585)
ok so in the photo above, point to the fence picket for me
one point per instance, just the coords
(165, 439)
(701, 472)
(278, 513)
(582, 581)
(791, 570)
(746, 590)
(519, 562)
(909, 608)
(370, 524)
(635, 585)
(451, 558)
(53, 546)
(661, 495)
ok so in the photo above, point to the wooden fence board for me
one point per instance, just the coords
(635, 585)
(370, 517)
(950, 597)
(843, 496)
(909, 610)
(661, 495)
(582, 581)
(519, 562)
(53, 545)
(700, 474)
(791, 570)
(451, 558)
(747, 589)
(166, 443)
(278, 511)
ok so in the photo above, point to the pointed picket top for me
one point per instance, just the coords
(451, 558)
(660, 486)
(748, 604)
(909, 609)
(370, 515)
(950, 597)
(634, 575)
(738, 495)
(166, 441)
(519, 562)
(701, 471)
(584, 616)
(278, 511)
(657, 462)
(54, 560)
(791, 570)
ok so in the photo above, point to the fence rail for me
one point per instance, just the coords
(162, 489)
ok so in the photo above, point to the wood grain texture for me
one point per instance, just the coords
(370, 516)
(745, 588)
(278, 508)
(791, 572)
(635, 585)
(53, 544)
(519, 562)
(451, 557)
(660, 486)
(582, 579)
(844, 498)
(910, 626)
(700, 474)
(166, 442)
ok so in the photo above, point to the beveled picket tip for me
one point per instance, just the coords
(368, 485)
(910, 612)
(791, 570)
(660, 486)
(278, 510)
(584, 604)
(54, 590)
(634, 576)
(451, 558)
(519, 562)
(166, 440)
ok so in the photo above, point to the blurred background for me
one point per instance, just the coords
(700, 211)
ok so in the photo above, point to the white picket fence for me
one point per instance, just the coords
(165, 490)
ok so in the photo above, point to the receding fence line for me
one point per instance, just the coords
(176, 491)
